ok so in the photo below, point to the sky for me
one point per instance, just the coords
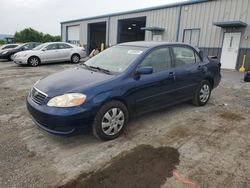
(46, 15)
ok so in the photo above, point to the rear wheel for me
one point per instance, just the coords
(75, 58)
(110, 121)
(34, 61)
(202, 95)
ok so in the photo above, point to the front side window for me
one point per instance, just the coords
(184, 56)
(52, 47)
(159, 60)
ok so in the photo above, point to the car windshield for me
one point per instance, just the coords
(115, 59)
(19, 46)
(39, 47)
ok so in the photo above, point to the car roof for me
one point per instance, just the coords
(48, 43)
(151, 44)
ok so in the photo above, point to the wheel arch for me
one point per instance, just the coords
(34, 56)
(119, 99)
(211, 80)
(75, 53)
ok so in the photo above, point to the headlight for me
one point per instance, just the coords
(67, 100)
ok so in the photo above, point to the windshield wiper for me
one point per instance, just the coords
(83, 64)
(100, 69)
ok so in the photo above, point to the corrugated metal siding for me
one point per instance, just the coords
(199, 15)
(165, 18)
(203, 16)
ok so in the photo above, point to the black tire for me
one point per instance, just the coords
(97, 126)
(198, 100)
(34, 61)
(75, 58)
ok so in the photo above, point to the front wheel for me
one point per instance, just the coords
(34, 61)
(203, 93)
(110, 121)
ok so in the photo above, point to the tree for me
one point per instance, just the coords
(31, 35)
(2, 42)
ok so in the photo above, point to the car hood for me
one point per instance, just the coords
(28, 52)
(71, 80)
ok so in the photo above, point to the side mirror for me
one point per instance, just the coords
(212, 57)
(144, 70)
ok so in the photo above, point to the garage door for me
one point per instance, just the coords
(74, 34)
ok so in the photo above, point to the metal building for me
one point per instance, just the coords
(219, 27)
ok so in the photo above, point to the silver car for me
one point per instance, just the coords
(49, 53)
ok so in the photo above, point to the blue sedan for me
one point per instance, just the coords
(119, 83)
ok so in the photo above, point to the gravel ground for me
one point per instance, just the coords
(176, 147)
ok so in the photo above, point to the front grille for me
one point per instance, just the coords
(37, 96)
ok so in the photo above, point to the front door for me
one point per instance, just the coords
(50, 54)
(230, 50)
(153, 91)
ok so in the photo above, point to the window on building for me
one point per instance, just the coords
(191, 36)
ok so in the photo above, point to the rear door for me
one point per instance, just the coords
(64, 51)
(189, 70)
(153, 91)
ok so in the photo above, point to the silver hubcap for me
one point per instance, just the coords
(34, 62)
(112, 121)
(204, 93)
(75, 59)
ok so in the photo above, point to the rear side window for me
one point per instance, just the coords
(64, 46)
(197, 58)
(158, 59)
(9, 46)
(184, 56)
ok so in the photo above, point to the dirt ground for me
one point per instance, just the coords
(182, 146)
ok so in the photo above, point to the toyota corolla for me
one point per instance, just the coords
(119, 83)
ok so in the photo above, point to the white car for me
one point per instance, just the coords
(49, 53)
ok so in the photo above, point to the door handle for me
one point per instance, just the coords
(171, 75)
(200, 67)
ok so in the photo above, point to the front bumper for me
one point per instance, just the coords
(20, 60)
(60, 121)
(4, 56)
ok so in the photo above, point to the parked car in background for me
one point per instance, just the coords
(9, 53)
(49, 53)
(8, 46)
(123, 81)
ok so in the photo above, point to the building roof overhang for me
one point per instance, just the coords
(155, 29)
(227, 24)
